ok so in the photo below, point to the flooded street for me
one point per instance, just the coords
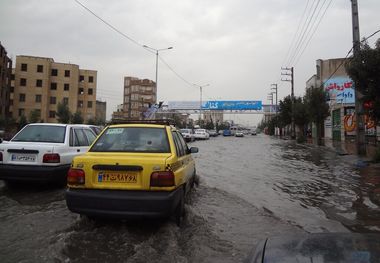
(250, 188)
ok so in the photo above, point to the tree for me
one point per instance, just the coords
(77, 118)
(300, 115)
(22, 122)
(317, 108)
(34, 116)
(364, 70)
(63, 113)
(91, 121)
(285, 111)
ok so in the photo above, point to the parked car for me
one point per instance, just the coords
(96, 129)
(213, 133)
(43, 151)
(227, 132)
(133, 171)
(239, 134)
(253, 132)
(188, 135)
(201, 134)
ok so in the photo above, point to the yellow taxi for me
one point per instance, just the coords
(133, 170)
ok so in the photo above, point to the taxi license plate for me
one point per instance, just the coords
(117, 177)
(23, 157)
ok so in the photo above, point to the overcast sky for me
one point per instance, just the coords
(236, 46)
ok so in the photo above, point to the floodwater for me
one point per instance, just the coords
(250, 188)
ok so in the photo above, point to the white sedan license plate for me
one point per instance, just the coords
(23, 157)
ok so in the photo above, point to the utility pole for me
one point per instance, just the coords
(275, 88)
(270, 97)
(291, 80)
(360, 129)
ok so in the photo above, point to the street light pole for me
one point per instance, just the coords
(156, 50)
(200, 102)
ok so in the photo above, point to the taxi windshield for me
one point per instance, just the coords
(132, 139)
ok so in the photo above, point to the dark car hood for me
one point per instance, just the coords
(321, 248)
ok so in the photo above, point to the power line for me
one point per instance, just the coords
(315, 30)
(111, 26)
(295, 33)
(344, 60)
(177, 74)
(303, 33)
(133, 41)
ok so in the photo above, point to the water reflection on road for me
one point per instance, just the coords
(251, 188)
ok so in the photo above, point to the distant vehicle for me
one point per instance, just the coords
(239, 134)
(213, 133)
(201, 134)
(43, 151)
(188, 135)
(253, 132)
(227, 132)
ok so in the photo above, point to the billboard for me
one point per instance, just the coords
(183, 105)
(216, 105)
(340, 90)
(232, 105)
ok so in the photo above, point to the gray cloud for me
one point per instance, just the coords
(236, 46)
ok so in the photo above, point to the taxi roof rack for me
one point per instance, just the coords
(156, 121)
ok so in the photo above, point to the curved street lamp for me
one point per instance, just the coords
(156, 50)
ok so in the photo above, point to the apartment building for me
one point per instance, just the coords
(213, 116)
(5, 83)
(138, 94)
(40, 83)
(101, 108)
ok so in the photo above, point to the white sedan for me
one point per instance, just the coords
(201, 134)
(43, 151)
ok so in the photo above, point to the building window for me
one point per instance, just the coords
(12, 76)
(53, 100)
(53, 86)
(21, 112)
(23, 82)
(80, 103)
(66, 101)
(67, 73)
(12, 89)
(38, 98)
(21, 97)
(80, 91)
(91, 79)
(39, 82)
(40, 68)
(81, 78)
(66, 86)
(90, 91)
(54, 72)
(24, 67)
(11, 102)
(89, 104)
(51, 114)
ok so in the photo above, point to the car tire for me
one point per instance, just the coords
(179, 212)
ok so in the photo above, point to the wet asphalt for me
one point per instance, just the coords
(250, 188)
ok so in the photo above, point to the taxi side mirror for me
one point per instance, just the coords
(193, 150)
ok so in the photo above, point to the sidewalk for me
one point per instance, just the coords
(349, 148)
